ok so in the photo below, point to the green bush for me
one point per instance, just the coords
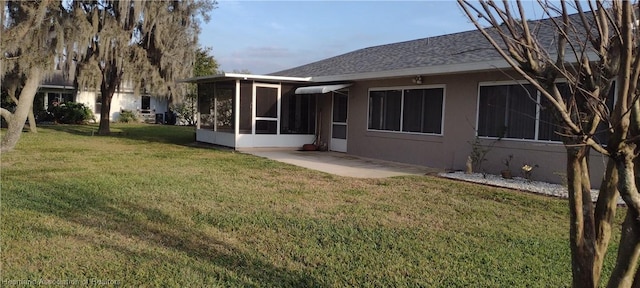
(71, 113)
(185, 113)
(127, 116)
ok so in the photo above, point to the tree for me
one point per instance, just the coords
(592, 48)
(205, 64)
(32, 41)
(148, 44)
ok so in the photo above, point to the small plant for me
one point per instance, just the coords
(506, 173)
(127, 116)
(478, 154)
(507, 161)
(527, 170)
(563, 177)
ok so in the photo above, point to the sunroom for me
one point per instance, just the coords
(254, 111)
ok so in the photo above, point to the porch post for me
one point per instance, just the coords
(237, 112)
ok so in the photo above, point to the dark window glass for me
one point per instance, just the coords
(298, 113)
(339, 131)
(423, 110)
(492, 110)
(507, 111)
(414, 105)
(434, 101)
(549, 125)
(266, 102)
(522, 104)
(67, 97)
(98, 106)
(384, 110)
(246, 92)
(266, 127)
(145, 104)
(603, 134)
(340, 107)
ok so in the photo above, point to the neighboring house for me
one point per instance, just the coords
(421, 102)
(58, 89)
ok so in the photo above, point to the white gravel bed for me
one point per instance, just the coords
(518, 183)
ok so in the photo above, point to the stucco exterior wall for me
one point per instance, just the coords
(450, 150)
(121, 101)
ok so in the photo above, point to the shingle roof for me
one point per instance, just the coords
(458, 48)
(57, 79)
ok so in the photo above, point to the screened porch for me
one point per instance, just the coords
(247, 111)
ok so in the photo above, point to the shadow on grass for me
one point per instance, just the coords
(170, 134)
(152, 226)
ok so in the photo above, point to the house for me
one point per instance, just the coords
(59, 89)
(431, 102)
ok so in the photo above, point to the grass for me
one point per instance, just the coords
(145, 207)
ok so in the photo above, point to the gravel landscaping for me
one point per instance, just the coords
(518, 183)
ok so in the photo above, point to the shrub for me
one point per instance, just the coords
(71, 113)
(185, 113)
(127, 116)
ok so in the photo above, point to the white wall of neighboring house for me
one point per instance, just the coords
(121, 101)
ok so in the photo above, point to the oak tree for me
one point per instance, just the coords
(33, 40)
(145, 44)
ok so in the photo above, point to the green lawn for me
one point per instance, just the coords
(145, 207)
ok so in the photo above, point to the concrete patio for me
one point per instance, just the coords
(343, 164)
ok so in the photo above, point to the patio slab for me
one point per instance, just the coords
(343, 164)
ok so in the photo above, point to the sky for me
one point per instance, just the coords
(262, 37)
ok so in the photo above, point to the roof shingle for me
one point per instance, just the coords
(457, 48)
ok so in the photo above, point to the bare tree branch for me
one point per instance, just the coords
(6, 114)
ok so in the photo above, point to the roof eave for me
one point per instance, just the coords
(431, 70)
(236, 76)
(51, 86)
(495, 64)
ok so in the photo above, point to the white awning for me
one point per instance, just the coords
(321, 89)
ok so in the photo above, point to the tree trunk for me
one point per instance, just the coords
(19, 117)
(32, 120)
(605, 212)
(628, 252)
(105, 114)
(629, 249)
(110, 80)
(582, 225)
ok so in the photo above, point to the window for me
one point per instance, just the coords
(145, 105)
(298, 115)
(54, 99)
(67, 97)
(385, 108)
(98, 106)
(507, 111)
(266, 109)
(407, 110)
(423, 111)
(339, 119)
(512, 111)
(246, 107)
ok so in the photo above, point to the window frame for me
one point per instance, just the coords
(538, 110)
(254, 100)
(402, 100)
